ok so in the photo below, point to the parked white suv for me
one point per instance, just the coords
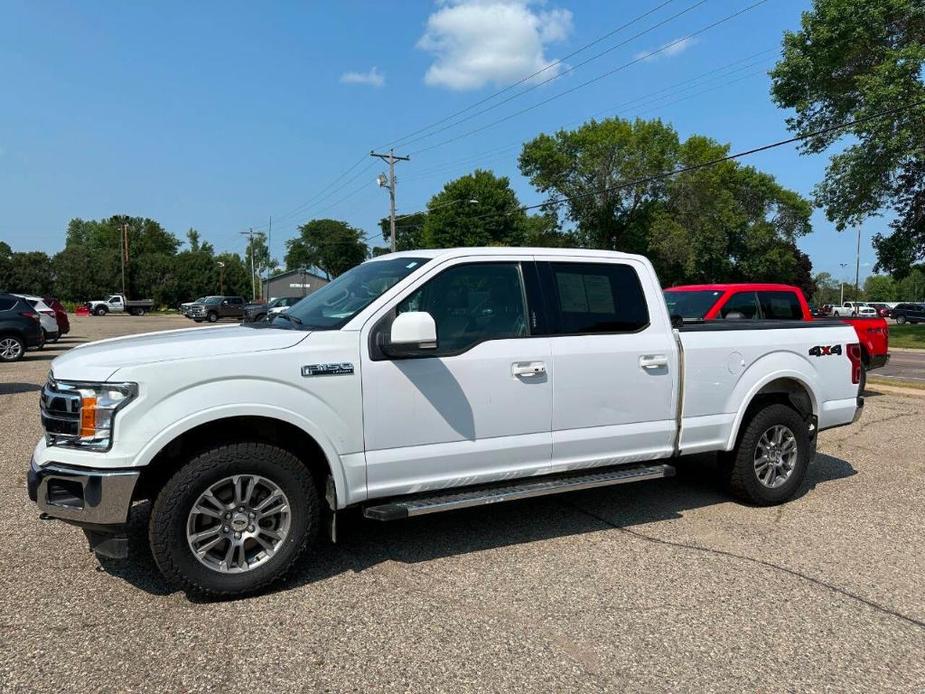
(47, 318)
(420, 382)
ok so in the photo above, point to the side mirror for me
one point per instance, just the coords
(411, 333)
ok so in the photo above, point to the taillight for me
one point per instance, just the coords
(29, 314)
(48, 312)
(854, 356)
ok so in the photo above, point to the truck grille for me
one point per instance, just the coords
(60, 406)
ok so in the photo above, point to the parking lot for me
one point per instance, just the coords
(652, 586)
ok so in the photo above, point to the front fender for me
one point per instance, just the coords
(187, 408)
(761, 372)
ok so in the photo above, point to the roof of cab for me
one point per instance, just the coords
(741, 286)
(487, 251)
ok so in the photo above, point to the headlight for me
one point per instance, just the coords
(81, 415)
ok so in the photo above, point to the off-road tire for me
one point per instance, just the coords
(739, 466)
(167, 526)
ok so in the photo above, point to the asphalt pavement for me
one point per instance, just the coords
(654, 586)
(905, 365)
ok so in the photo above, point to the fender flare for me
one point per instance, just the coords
(220, 412)
(789, 374)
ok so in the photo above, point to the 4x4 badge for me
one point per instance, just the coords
(342, 369)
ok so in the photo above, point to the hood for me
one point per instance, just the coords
(98, 361)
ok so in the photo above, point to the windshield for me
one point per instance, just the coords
(693, 304)
(336, 303)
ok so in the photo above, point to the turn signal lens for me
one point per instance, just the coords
(87, 416)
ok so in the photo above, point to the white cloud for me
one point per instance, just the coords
(475, 42)
(667, 50)
(372, 78)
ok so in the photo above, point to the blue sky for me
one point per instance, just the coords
(217, 115)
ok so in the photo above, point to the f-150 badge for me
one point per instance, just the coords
(341, 369)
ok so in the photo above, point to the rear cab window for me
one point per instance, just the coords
(741, 305)
(780, 305)
(588, 298)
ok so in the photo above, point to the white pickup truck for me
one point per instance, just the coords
(420, 382)
(117, 303)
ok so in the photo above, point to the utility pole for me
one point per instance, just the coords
(841, 283)
(857, 269)
(390, 184)
(269, 255)
(250, 235)
(124, 230)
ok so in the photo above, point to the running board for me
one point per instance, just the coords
(522, 489)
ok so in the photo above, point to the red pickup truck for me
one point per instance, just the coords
(775, 302)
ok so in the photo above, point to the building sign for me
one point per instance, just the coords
(296, 285)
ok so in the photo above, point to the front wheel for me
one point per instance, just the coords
(772, 456)
(11, 348)
(234, 519)
(213, 317)
(900, 320)
(101, 311)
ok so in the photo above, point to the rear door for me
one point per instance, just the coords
(615, 362)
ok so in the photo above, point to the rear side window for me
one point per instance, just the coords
(595, 298)
(6, 303)
(780, 305)
(741, 305)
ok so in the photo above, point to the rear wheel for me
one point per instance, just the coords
(11, 348)
(770, 461)
(234, 519)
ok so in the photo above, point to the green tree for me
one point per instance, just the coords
(479, 209)
(409, 231)
(30, 273)
(880, 288)
(6, 266)
(330, 245)
(589, 168)
(912, 286)
(853, 59)
(827, 290)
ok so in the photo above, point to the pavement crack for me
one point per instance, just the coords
(743, 557)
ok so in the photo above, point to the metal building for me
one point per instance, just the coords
(300, 282)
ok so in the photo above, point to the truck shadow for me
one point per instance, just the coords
(363, 543)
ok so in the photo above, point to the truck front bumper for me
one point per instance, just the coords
(96, 500)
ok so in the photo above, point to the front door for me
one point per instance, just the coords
(615, 364)
(476, 409)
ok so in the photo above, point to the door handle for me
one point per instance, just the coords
(653, 361)
(528, 369)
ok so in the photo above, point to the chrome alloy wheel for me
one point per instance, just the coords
(775, 456)
(238, 523)
(10, 349)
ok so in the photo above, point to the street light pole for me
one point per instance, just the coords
(221, 278)
(857, 268)
(841, 283)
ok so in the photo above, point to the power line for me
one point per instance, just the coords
(529, 77)
(706, 164)
(636, 60)
(566, 71)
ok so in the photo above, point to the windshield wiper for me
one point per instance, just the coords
(294, 319)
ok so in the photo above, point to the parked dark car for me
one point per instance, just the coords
(20, 328)
(259, 312)
(216, 307)
(908, 313)
(64, 324)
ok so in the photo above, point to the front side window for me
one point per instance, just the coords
(596, 298)
(337, 302)
(115, 300)
(780, 305)
(741, 305)
(472, 303)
